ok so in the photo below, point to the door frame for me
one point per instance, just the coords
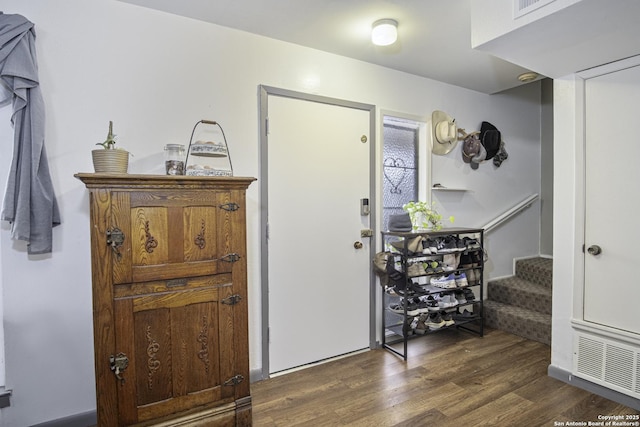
(264, 93)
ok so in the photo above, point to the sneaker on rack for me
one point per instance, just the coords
(449, 245)
(459, 296)
(390, 290)
(397, 279)
(435, 321)
(415, 288)
(421, 304)
(429, 267)
(438, 268)
(434, 244)
(407, 330)
(446, 300)
(461, 280)
(412, 309)
(421, 327)
(413, 246)
(415, 269)
(414, 323)
(471, 243)
(447, 318)
(478, 274)
(450, 261)
(468, 295)
(465, 260)
(471, 277)
(446, 282)
(465, 315)
(432, 304)
(396, 308)
(476, 258)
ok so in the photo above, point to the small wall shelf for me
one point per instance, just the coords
(439, 187)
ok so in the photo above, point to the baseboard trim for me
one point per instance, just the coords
(255, 375)
(86, 419)
(569, 378)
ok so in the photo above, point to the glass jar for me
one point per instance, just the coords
(174, 156)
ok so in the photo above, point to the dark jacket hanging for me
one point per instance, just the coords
(29, 202)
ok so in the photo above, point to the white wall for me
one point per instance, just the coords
(497, 19)
(547, 177)
(155, 75)
(567, 204)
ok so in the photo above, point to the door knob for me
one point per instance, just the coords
(594, 250)
(357, 245)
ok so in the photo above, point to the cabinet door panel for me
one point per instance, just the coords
(152, 337)
(173, 235)
(150, 236)
(200, 233)
(198, 368)
(175, 341)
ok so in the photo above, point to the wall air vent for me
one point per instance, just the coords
(591, 355)
(522, 7)
(607, 362)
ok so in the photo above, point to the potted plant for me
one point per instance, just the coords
(424, 216)
(110, 159)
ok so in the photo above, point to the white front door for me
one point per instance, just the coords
(318, 171)
(612, 153)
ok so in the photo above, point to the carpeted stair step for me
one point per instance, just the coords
(520, 293)
(518, 321)
(536, 270)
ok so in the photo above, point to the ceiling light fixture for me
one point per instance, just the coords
(384, 32)
(528, 77)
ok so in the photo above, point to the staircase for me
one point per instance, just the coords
(521, 304)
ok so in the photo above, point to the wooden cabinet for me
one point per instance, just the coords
(169, 268)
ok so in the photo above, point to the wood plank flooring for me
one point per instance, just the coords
(451, 378)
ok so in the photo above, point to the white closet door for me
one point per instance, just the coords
(612, 153)
(318, 170)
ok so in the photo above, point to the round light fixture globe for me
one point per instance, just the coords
(384, 32)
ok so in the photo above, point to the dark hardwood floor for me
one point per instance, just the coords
(451, 378)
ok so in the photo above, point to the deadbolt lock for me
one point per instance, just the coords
(357, 245)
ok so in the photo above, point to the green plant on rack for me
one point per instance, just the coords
(424, 216)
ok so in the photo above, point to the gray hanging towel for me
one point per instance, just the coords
(29, 202)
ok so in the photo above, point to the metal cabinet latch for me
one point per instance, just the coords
(233, 257)
(115, 239)
(230, 207)
(118, 364)
(232, 299)
(235, 380)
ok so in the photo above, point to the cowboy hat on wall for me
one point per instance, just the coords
(444, 135)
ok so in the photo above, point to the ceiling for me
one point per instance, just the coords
(434, 36)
